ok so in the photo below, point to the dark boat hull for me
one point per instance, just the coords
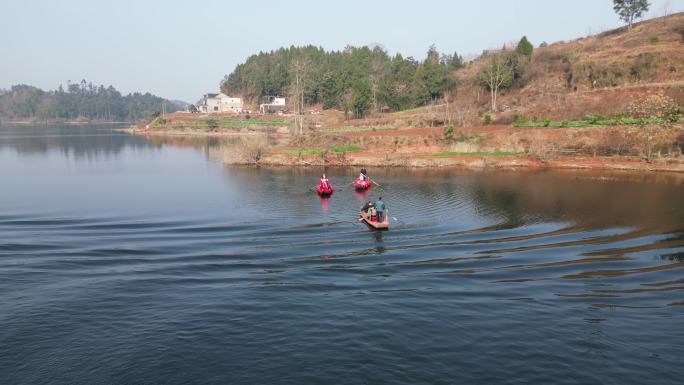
(324, 193)
(362, 185)
(384, 225)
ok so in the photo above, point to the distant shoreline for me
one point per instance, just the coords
(28, 122)
(288, 156)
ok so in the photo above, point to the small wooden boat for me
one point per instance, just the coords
(384, 225)
(362, 185)
(324, 192)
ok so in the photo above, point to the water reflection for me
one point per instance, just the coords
(77, 141)
(589, 199)
(547, 271)
(379, 242)
(325, 209)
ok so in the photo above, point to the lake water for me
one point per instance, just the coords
(130, 261)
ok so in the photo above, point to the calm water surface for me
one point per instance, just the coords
(126, 260)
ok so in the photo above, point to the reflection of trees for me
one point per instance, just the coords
(243, 149)
(76, 141)
(604, 200)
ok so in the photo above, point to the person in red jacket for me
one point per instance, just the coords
(325, 183)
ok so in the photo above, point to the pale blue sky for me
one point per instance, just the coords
(181, 49)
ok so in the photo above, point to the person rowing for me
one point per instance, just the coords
(325, 183)
(324, 188)
(363, 182)
(367, 208)
(363, 175)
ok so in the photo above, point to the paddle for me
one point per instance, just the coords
(373, 181)
(395, 218)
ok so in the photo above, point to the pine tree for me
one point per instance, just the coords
(524, 47)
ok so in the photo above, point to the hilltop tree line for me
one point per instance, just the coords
(79, 101)
(363, 79)
(357, 79)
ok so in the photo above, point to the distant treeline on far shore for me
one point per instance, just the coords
(80, 101)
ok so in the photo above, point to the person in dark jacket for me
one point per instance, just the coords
(380, 208)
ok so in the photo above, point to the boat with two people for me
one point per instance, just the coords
(375, 215)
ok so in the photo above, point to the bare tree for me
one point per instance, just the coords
(495, 75)
(299, 71)
(666, 9)
(462, 115)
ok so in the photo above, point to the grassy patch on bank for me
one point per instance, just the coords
(454, 153)
(309, 151)
(590, 123)
(355, 129)
(230, 120)
(314, 151)
(208, 122)
(345, 148)
(303, 151)
(195, 126)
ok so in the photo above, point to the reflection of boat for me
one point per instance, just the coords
(362, 185)
(324, 191)
(384, 225)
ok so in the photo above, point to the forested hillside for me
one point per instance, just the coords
(356, 78)
(79, 101)
(599, 75)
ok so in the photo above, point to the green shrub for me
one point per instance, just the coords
(595, 118)
(487, 119)
(645, 66)
(212, 123)
(522, 119)
(305, 151)
(599, 75)
(449, 132)
(654, 39)
(547, 123)
(673, 114)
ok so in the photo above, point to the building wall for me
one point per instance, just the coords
(213, 105)
(220, 103)
(276, 104)
(229, 104)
